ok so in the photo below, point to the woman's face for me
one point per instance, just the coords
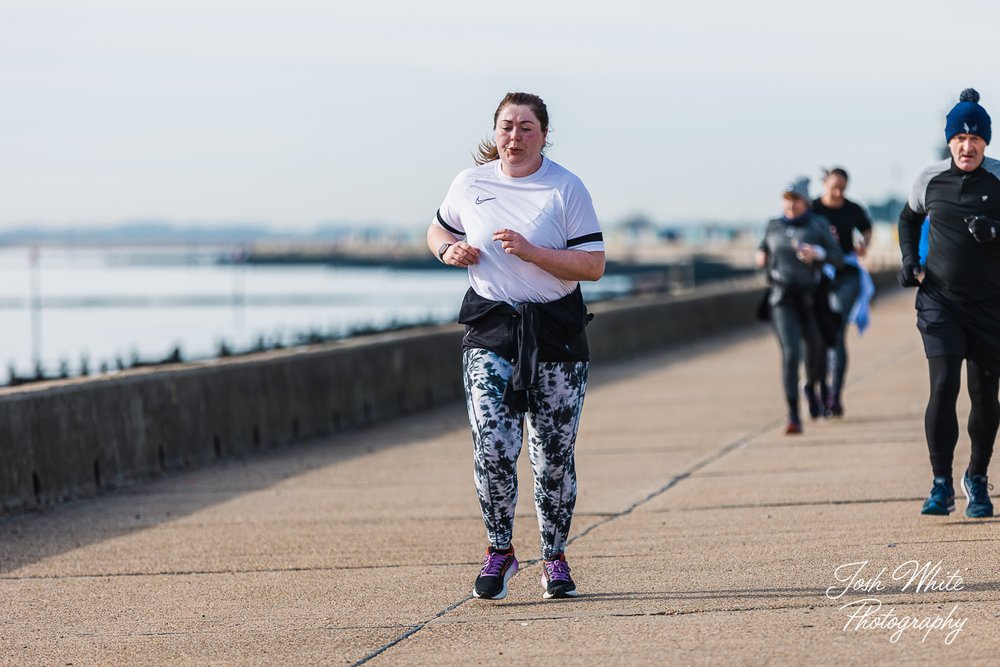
(834, 186)
(794, 206)
(519, 139)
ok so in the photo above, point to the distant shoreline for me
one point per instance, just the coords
(703, 266)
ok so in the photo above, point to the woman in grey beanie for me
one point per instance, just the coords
(794, 248)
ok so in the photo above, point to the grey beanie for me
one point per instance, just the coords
(799, 187)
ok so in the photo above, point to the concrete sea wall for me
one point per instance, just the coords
(74, 438)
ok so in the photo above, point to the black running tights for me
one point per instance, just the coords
(941, 419)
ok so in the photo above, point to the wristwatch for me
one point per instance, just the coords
(443, 249)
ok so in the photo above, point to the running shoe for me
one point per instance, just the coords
(498, 567)
(835, 409)
(941, 500)
(556, 580)
(793, 427)
(977, 492)
(824, 399)
(816, 409)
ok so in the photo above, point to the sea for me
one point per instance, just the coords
(75, 310)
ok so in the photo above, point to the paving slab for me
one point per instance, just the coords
(703, 535)
(792, 636)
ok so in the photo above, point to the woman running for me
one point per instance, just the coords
(526, 230)
(794, 248)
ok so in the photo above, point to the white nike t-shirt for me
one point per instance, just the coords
(551, 208)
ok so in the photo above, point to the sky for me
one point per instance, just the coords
(301, 113)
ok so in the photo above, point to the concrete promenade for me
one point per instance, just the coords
(702, 535)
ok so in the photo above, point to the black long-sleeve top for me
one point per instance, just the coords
(957, 265)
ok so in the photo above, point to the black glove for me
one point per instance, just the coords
(983, 229)
(907, 276)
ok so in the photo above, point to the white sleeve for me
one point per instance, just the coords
(583, 231)
(449, 214)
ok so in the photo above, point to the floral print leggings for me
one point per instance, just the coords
(553, 417)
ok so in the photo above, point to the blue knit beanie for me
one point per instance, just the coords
(967, 117)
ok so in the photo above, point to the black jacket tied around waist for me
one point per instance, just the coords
(526, 334)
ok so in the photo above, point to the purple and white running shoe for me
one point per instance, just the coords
(498, 568)
(556, 580)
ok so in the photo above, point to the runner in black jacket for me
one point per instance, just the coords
(958, 303)
(847, 218)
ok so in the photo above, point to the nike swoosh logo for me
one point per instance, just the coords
(483, 201)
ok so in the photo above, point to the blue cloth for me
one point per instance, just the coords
(860, 314)
(924, 241)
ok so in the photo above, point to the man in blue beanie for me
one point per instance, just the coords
(958, 300)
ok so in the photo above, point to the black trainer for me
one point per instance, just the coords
(835, 408)
(498, 568)
(816, 407)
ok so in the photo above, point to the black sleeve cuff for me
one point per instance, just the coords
(587, 238)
